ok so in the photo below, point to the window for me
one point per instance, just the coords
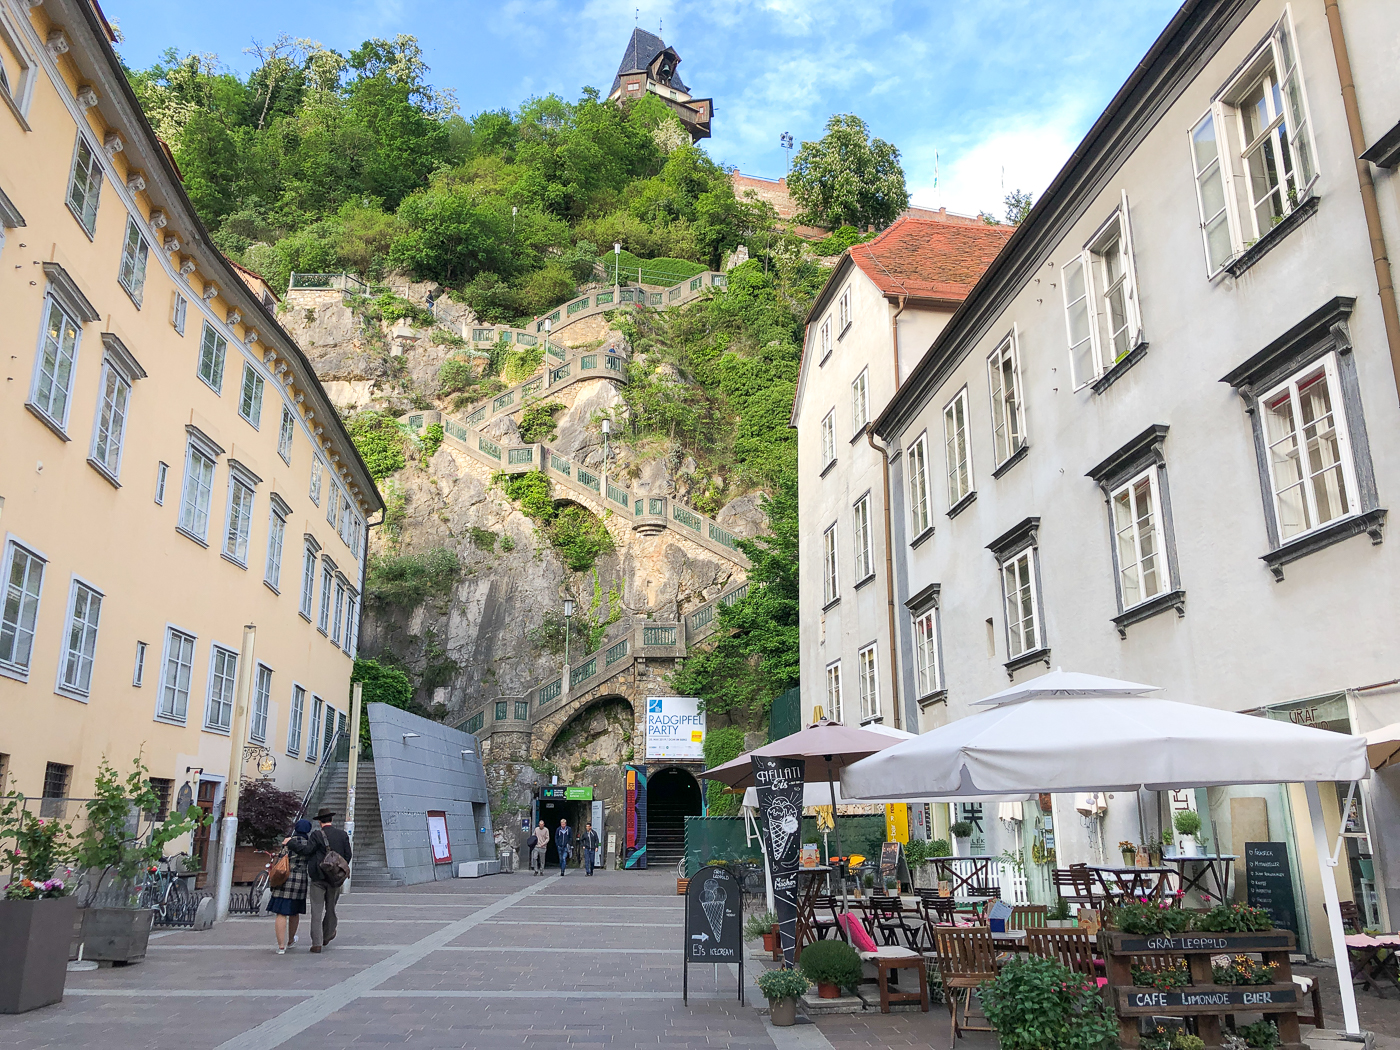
(175, 681)
(328, 731)
(85, 184)
(53, 371)
(920, 520)
(1257, 134)
(860, 401)
(865, 555)
(313, 738)
(845, 311)
(1101, 300)
(57, 778)
(338, 613)
(24, 579)
(262, 699)
(276, 534)
(869, 684)
(162, 471)
(316, 468)
(80, 645)
(927, 671)
(347, 517)
(352, 625)
(164, 790)
(284, 435)
(138, 672)
(212, 348)
(828, 439)
(333, 505)
(1310, 466)
(110, 428)
(308, 578)
(177, 313)
(957, 453)
(239, 519)
(1022, 620)
(250, 397)
(132, 274)
(1142, 574)
(323, 620)
(199, 487)
(1008, 426)
(826, 339)
(833, 691)
(294, 719)
(829, 583)
(223, 676)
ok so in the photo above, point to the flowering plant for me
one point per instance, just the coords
(36, 848)
(1244, 970)
(1127, 845)
(1145, 916)
(1177, 975)
(29, 890)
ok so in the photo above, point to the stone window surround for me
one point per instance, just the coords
(1024, 535)
(929, 599)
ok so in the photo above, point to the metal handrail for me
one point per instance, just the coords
(329, 757)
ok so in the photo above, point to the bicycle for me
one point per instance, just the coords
(260, 882)
(163, 891)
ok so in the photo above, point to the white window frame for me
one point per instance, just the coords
(31, 594)
(957, 448)
(1129, 541)
(57, 369)
(824, 335)
(828, 439)
(213, 354)
(1328, 367)
(1015, 627)
(833, 691)
(310, 552)
(323, 618)
(867, 673)
(920, 512)
(352, 623)
(338, 610)
(1009, 430)
(928, 667)
(317, 472)
(250, 395)
(276, 539)
(221, 690)
(831, 583)
(120, 371)
(238, 518)
(262, 702)
(135, 253)
(179, 307)
(1087, 294)
(196, 497)
(333, 505)
(79, 650)
(295, 717)
(138, 669)
(162, 474)
(860, 401)
(85, 184)
(285, 434)
(844, 311)
(864, 539)
(313, 739)
(178, 712)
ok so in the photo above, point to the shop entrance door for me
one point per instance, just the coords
(208, 791)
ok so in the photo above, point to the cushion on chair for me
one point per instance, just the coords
(1304, 983)
(860, 939)
(889, 952)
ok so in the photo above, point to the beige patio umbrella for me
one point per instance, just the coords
(1383, 746)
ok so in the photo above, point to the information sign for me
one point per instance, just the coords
(1270, 882)
(437, 836)
(713, 924)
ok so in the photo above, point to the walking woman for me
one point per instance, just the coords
(289, 899)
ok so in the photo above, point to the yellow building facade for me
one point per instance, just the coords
(170, 468)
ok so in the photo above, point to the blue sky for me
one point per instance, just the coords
(987, 84)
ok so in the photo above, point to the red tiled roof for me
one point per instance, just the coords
(930, 258)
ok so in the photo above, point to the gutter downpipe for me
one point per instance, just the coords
(889, 537)
(1379, 256)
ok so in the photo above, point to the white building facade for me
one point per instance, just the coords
(1163, 432)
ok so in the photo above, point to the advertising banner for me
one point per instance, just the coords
(675, 727)
(714, 920)
(634, 818)
(780, 783)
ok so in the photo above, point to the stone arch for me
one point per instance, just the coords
(593, 728)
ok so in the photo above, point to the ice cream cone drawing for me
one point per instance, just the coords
(783, 822)
(713, 899)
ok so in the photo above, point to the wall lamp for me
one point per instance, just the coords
(409, 736)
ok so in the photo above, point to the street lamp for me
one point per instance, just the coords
(617, 273)
(607, 429)
(785, 140)
(568, 616)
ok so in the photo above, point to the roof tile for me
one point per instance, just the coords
(930, 258)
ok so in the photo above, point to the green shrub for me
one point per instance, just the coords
(1262, 1035)
(961, 830)
(531, 490)
(537, 421)
(407, 579)
(1037, 1004)
(579, 537)
(431, 441)
(483, 539)
(516, 366)
(507, 544)
(831, 962)
(722, 744)
(380, 441)
(940, 848)
(782, 984)
(1187, 822)
(759, 923)
(1059, 911)
(456, 374)
(1234, 918)
(838, 241)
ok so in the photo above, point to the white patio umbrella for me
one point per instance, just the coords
(1383, 746)
(1069, 732)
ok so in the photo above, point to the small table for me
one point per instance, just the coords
(1012, 940)
(807, 906)
(1366, 966)
(1132, 881)
(1214, 865)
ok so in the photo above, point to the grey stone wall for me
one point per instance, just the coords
(422, 773)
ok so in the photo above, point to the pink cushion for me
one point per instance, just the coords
(1101, 981)
(860, 939)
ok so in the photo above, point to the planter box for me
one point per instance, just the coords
(1117, 942)
(116, 935)
(1209, 999)
(34, 941)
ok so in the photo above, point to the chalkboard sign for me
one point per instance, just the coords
(889, 860)
(714, 923)
(1270, 882)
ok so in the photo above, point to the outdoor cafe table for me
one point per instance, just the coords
(1214, 865)
(1132, 882)
(1366, 964)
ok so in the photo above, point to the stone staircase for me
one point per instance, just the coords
(369, 868)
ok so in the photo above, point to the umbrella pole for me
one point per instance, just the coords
(1341, 956)
(836, 827)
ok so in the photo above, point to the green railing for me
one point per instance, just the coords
(588, 478)
(574, 308)
(702, 617)
(562, 372)
(477, 416)
(560, 464)
(522, 710)
(504, 401)
(616, 653)
(582, 672)
(489, 447)
(654, 298)
(455, 430)
(738, 594)
(588, 361)
(520, 455)
(697, 283)
(719, 535)
(618, 495)
(602, 297)
(483, 335)
(526, 339)
(658, 636)
(534, 386)
(616, 363)
(502, 706)
(685, 517)
(475, 722)
(415, 422)
(656, 506)
(556, 350)
(550, 693)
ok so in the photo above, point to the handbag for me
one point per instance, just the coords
(280, 871)
(532, 842)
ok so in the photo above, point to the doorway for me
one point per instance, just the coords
(672, 795)
(552, 811)
(208, 793)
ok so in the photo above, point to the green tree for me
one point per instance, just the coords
(848, 177)
(379, 440)
(1018, 206)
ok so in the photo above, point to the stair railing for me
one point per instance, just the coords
(330, 757)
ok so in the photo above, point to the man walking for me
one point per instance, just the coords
(589, 843)
(563, 839)
(324, 891)
(539, 842)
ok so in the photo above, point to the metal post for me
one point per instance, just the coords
(237, 731)
(352, 773)
(617, 275)
(1326, 863)
(568, 621)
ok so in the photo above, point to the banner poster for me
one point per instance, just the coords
(779, 782)
(635, 818)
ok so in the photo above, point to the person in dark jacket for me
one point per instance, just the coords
(322, 893)
(588, 842)
(289, 899)
(563, 839)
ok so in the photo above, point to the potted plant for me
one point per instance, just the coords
(765, 925)
(962, 837)
(1129, 850)
(831, 965)
(1058, 915)
(1188, 825)
(112, 850)
(782, 989)
(36, 910)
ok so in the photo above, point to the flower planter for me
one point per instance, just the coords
(1129, 859)
(116, 935)
(770, 942)
(782, 1012)
(828, 991)
(34, 941)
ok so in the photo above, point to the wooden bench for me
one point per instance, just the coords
(893, 958)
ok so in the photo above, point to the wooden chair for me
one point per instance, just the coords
(967, 959)
(938, 911)
(1073, 949)
(1351, 916)
(1027, 917)
(820, 926)
(892, 922)
(1075, 884)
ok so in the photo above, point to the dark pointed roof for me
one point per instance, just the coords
(641, 49)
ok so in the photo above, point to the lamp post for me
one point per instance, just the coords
(548, 326)
(617, 274)
(237, 732)
(568, 616)
(607, 429)
(785, 140)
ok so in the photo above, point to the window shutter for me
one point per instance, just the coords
(1130, 261)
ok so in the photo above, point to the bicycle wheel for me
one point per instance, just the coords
(149, 897)
(256, 892)
(180, 905)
